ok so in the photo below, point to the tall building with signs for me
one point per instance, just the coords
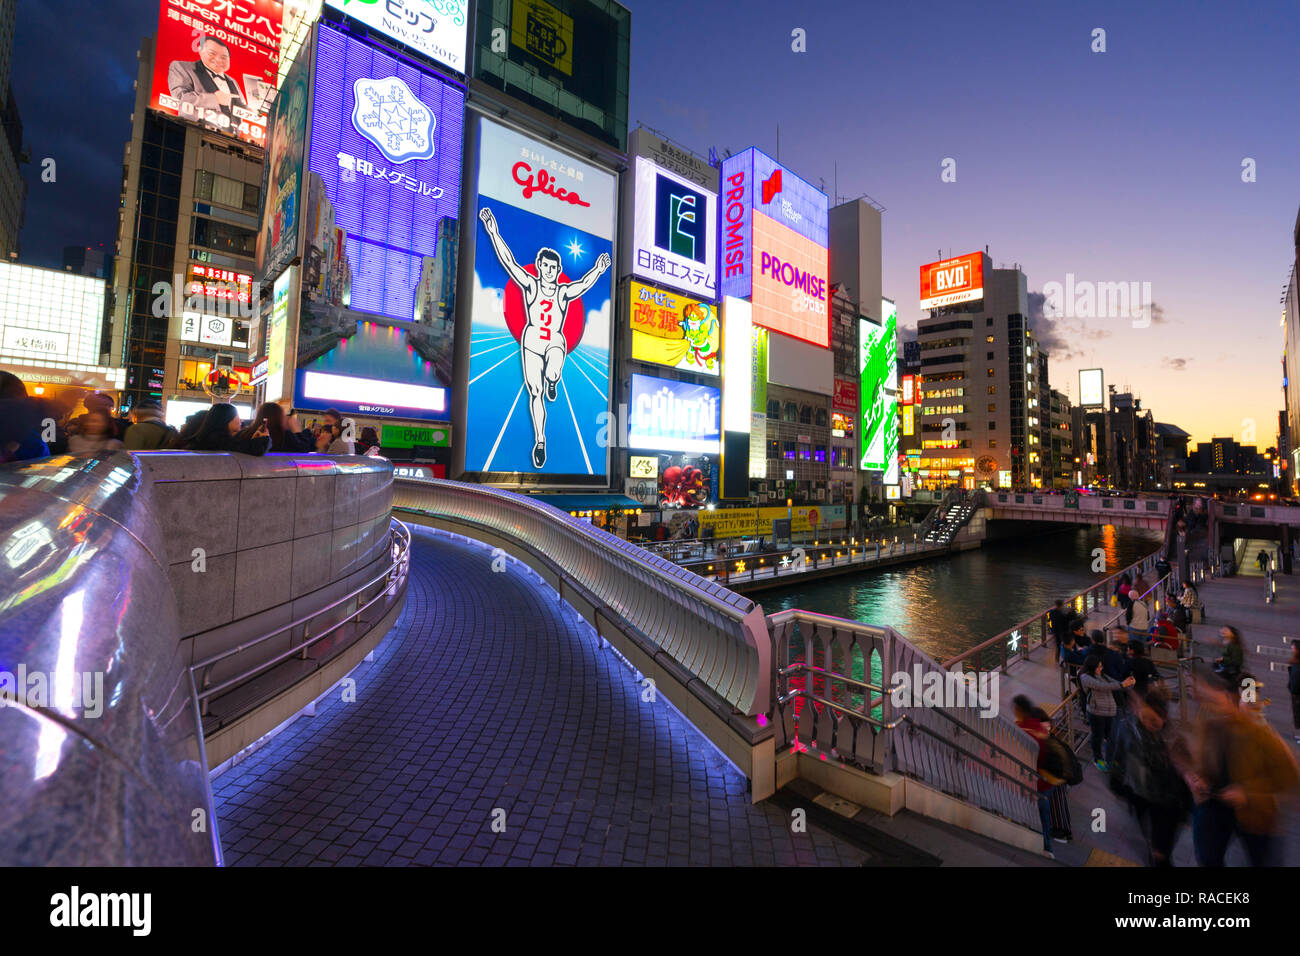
(185, 295)
(668, 332)
(981, 412)
(546, 134)
(359, 232)
(775, 283)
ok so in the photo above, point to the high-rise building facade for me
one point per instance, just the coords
(183, 302)
(1291, 364)
(981, 418)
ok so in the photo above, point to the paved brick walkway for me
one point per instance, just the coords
(489, 695)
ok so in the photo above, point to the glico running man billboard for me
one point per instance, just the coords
(376, 329)
(877, 401)
(539, 365)
(775, 239)
(215, 64)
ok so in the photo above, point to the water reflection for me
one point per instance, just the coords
(950, 605)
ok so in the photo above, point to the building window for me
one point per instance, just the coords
(805, 414)
(993, 406)
(993, 389)
(993, 426)
(788, 451)
(819, 454)
(990, 373)
(790, 412)
(993, 443)
(805, 452)
(988, 322)
(774, 410)
(822, 419)
(989, 356)
(988, 339)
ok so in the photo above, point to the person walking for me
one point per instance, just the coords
(1230, 663)
(1241, 771)
(1058, 622)
(1100, 706)
(1148, 770)
(1052, 766)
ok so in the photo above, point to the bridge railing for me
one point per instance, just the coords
(853, 692)
(718, 637)
(1063, 507)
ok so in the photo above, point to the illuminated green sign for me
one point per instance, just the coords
(399, 436)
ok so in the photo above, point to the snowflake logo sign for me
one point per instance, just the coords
(388, 114)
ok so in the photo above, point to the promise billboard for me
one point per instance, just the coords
(775, 235)
(216, 64)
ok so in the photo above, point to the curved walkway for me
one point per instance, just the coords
(492, 703)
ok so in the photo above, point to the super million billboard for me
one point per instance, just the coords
(216, 64)
(539, 367)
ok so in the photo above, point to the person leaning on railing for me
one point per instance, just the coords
(220, 431)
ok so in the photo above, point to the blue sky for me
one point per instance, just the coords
(1115, 166)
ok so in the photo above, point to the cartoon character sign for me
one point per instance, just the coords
(700, 327)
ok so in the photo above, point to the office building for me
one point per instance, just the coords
(982, 416)
(13, 154)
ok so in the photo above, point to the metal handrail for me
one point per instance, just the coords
(396, 572)
(907, 718)
(731, 608)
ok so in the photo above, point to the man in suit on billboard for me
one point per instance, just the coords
(204, 82)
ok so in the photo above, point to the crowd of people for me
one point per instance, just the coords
(33, 428)
(1225, 773)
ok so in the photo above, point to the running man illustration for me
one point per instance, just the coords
(542, 347)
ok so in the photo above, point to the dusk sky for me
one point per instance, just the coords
(1122, 166)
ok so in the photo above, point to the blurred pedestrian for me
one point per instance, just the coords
(1230, 663)
(1242, 769)
(1148, 770)
(1058, 622)
(1052, 765)
(368, 445)
(95, 435)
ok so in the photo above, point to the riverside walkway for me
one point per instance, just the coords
(1266, 631)
(492, 702)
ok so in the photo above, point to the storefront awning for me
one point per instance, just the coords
(592, 502)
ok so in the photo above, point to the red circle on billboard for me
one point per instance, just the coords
(575, 318)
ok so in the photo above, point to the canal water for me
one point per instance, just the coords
(949, 605)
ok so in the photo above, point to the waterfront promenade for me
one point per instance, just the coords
(1266, 631)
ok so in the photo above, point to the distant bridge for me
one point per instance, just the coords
(1149, 513)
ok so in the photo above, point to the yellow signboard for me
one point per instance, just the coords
(752, 522)
(544, 32)
(671, 329)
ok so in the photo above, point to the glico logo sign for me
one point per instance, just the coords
(544, 183)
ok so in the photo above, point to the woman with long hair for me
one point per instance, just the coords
(285, 432)
(220, 432)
